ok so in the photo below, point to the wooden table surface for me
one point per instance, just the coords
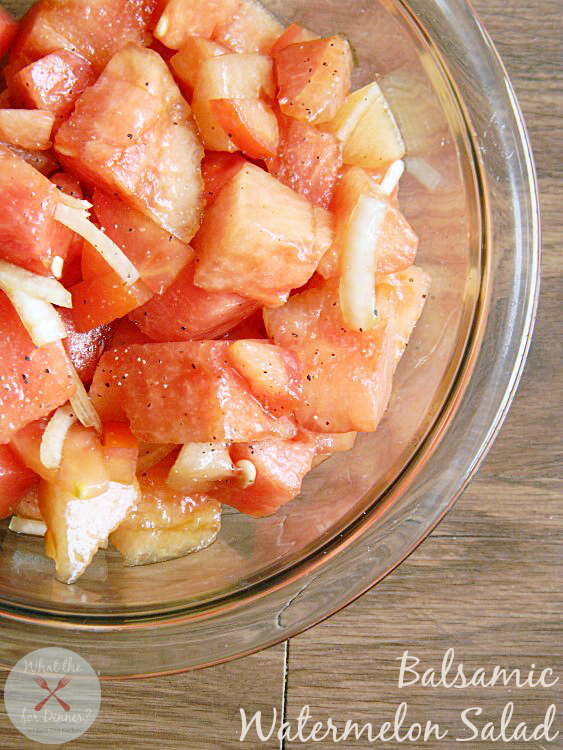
(487, 582)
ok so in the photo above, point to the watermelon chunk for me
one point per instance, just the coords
(33, 381)
(29, 129)
(157, 255)
(71, 274)
(126, 332)
(43, 161)
(347, 374)
(307, 160)
(251, 123)
(280, 468)
(94, 29)
(30, 236)
(187, 61)
(217, 169)
(84, 349)
(406, 292)
(251, 28)
(8, 30)
(52, 83)
(397, 244)
(26, 444)
(132, 133)
(260, 239)
(182, 393)
(185, 312)
(274, 373)
(314, 78)
(104, 298)
(181, 20)
(232, 76)
(251, 328)
(15, 479)
(294, 34)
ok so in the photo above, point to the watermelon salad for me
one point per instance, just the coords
(206, 280)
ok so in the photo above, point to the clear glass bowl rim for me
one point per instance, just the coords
(252, 619)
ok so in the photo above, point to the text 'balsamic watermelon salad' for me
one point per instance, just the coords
(206, 281)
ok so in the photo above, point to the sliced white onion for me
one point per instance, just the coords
(200, 464)
(161, 26)
(421, 170)
(70, 200)
(78, 221)
(392, 177)
(81, 404)
(40, 318)
(15, 278)
(152, 454)
(359, 261)
(27, 526)
(51, 449)
(248, 469)
(57, 265)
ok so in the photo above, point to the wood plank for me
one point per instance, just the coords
(198, 710)
(487, 583)
(495, 601)
(489, 580)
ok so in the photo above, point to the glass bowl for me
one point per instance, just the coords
(360, 514)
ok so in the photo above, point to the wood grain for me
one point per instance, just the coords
(488, 582)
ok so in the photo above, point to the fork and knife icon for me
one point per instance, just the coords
(43, 684)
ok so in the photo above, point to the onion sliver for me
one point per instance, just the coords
(15, 278)
(27, 526)
(40, 318)
(392, 177)
(70, 200)
(199, 465)
(359, 261)
(248, 472)
(82, 406)
(51, 449)
(78, 221)
(421, 170)
(151, 454)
